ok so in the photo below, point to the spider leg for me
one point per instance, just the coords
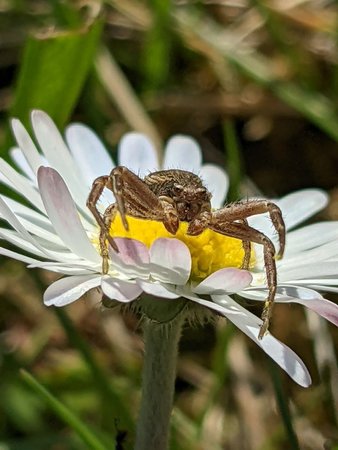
(247, 250)
(98, 186)
(134, 197)
(245, 233)
(242, 210)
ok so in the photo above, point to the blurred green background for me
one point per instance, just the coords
(256, 83)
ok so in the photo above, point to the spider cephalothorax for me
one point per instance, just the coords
(174, 196)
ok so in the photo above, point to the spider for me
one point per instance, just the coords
(173, 196)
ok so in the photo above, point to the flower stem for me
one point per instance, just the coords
(158, 384)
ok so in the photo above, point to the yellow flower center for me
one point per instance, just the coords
(210, 251)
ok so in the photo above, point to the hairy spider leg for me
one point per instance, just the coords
(202, 221)
(247, 249)
(98, 186)
(242, 210)
(135, 198)
(244, 232)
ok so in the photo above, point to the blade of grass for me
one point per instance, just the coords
(283, 405)
(220, 369)
(53, 71)
(157, 45)
(121, 92)
(209, 38)
(113, 405)
(64, 413)
(234, 160)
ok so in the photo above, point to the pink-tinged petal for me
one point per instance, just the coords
(311, 299)
(224, 281)
(323, 307)
(217, 182)
(63, 214)
(67, 290)
(132, 252)
(170, 261)
(27, 145)
(183, 152)
(132, 258)
(89, 153)
(122, 291)
(156, 289)
(286, 358)
(138, 154)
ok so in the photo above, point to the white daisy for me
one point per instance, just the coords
(60, 233)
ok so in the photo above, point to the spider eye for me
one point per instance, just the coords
(178, 187)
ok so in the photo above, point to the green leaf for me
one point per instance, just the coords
(65, 414)
(53, 71)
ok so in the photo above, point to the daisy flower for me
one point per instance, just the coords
(58, 231)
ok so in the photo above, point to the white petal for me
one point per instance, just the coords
(67, 290)
(30, 214)
(62, 269)
(42, 234)
(21, 162)
(280, 353)
(21, 185)
(316, 255)
(157, 289)
(37, 247)
(250, 325)
(8, 215)
(217, 182)
(58, 155)
(89, 153)
(224, 281)
(170, 261)
(22, 242)
(120, 290)
(17, 256)
(296, 208)
(63, 214)
(136, 152)
(27, 145)
(300, 205)
(311, 236)
(308, 271)
(321, 288)
(182, 152)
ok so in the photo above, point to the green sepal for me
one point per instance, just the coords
(161, 310)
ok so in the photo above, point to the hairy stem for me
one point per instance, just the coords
(158, 384)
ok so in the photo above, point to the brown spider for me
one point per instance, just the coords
(172, 196)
